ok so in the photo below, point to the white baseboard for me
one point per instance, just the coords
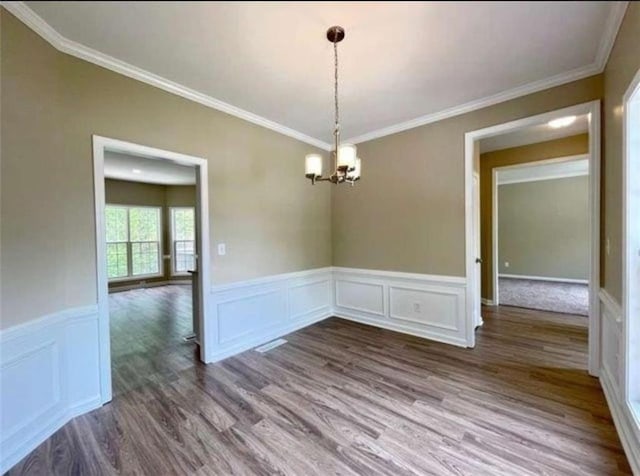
(41, 391)
(487, 302)
(428, 306)
(623, 421)
(544, 278)
(152, 284)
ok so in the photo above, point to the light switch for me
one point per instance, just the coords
(222, 249)
(506, 264)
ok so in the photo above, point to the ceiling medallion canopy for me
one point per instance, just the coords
(347, 163)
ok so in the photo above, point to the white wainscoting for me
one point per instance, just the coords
(49, 373)
(612, 377)
(249, 313)
(423, 305)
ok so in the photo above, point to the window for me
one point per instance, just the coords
(133, 241)
(183, 239)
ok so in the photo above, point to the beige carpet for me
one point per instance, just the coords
(545, 295)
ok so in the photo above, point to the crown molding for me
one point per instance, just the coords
(42, 28)
(517, 92)
(616, 15)
(65, 45)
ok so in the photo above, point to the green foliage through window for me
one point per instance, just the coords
(183, 233)
(133, 241)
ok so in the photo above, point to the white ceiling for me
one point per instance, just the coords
(401, 64)
(533, 135)
(121, 166)
(546, 171)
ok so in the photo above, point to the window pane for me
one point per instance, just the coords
(183, 224)
(184, 256)
(144, 224)
(117, 260)
(144, 258)
(116, 224)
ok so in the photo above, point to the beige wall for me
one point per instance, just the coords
(272, 220)
(407, 212)
(574, 145)
(123, 192)
(622, 66)
(543, 228)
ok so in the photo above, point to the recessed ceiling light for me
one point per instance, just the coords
(562, 122)
(137, 171)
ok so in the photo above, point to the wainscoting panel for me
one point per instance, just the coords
(309, 297)
(424, 305)
(360, 296)
(612, 377)
(49, 373)
(250, 313)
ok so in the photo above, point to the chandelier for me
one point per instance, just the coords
(347, 163)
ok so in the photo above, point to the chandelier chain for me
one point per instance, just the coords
(335, 89)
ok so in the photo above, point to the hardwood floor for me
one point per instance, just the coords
(344, 398)
(148, 327)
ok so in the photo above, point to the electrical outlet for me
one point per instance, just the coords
(222, 249)
(416, 307)
(506, 264)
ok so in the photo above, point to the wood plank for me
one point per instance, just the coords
(344, 398)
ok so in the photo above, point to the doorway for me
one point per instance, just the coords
(134, 252)
(540, 227)
(472, 205)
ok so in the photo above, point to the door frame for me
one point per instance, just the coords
(100, 144)
(473, 288)
(495, 278)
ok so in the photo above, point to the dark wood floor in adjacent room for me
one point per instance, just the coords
(344, 398)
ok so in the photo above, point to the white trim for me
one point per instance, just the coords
(616, 15)
(135, 277)
(172, 257)
(73, 48)
(544, 278)
(611, 304)
(202, 213)
(34, 357)
(249, 313)
(530, 88)
(437, 278)
(218, 288)
(593, 109)
(608, 39)
(41, 27)
(487, 302)
(387, 299)
(623, 421)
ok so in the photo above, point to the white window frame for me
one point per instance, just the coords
(172, 252)
(131, 276)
